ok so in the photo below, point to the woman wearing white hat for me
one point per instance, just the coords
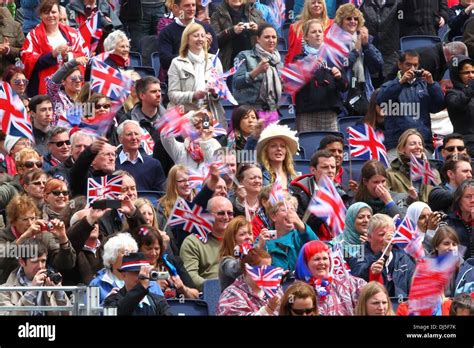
(12, 146)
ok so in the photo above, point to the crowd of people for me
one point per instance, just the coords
(251, 210)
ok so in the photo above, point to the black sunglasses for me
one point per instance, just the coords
(57, 193)
(451, 148)
(302, 311)
(60, 143)
(31, 164)
(102, 106)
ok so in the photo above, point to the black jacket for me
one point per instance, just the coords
(383, 24)
(460, 103)
(111, 223)
(456, 21)
(63, 170)
(440, 198)
(464, 232)
(421, 17)
(322, 93)
(127, 302)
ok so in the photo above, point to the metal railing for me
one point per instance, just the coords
(85, 300)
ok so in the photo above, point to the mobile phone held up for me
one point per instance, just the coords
(106, 203)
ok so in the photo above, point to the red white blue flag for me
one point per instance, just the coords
(336, 47)
(267, 278)
(218, 81)
(296, 75)
(91, 32)
(104, 187)
(277, 194)
(415, 248)
(405, 232)
(109, 81)
(15, 120)
(421, 170)
(365, 144)
(327, 203)
(147, 142)
(193, 219)
(175, 123)
(277, 12)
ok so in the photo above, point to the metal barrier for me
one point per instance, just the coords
(85, 300)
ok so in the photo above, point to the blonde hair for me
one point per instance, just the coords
(297, 290)
(379, 221)
(305, 16)
(228, 243)
(21, 155)
(169, 199)
(288, 166)
(140, 202)
(402, 141)
(308, 24)
(368, 291)
(190, 29)
(289, 200)
(347, 10)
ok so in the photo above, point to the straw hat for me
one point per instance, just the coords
(277, 131)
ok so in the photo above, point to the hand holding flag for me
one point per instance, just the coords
(267, 278)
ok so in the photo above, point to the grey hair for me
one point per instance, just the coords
(55, 131)
(110, 43)
(455, 48)
(379, 221)
(115, 244)
(124, 123)
(80, 134)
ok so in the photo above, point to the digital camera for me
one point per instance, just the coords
(56, 278)
(155, 275)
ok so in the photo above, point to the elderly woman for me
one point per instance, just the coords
(46, 45)
(15, 76)
(109, 279)
(23, 224)
(180, 283)
(13, 145)
(291, 233)
(246, 201)
(336, 294)
(34, 183)
(319, 101)
(56, 196)
(312, 9)
(190, 74)
(26, 160)
(399, 177)
(364, 58)
(374, 300)
(257, 81)
(244, 296)
(117, 45)
(299, 300)
(235, 23)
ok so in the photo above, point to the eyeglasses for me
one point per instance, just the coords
(20, 81)
(31, 164)
(57, 193)
(77, 79)
(352, 19)
(38, 183)
(61, 143)
(452, 148)
(223, 213)
(102, 106)
(302, 311)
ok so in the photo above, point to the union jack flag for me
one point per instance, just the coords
(109, 81)
(405, 232)
(242, 249)
(218, 81)
(193, 218)
(415, 248)
(422, 171)
(147, 142)
(219, 130)
(365, 144)
(277, 12)
(197, 177)
(339, 265)
(15, 120)
(430, 278)
(91, 32)
(175, 123)
(104, 187)
(277, 194)
(335, 47)
(296, 75)
(267, 278)
(327, 203)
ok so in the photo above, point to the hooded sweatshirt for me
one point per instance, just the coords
(460, 103)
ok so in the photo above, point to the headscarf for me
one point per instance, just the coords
(350, 235)
(414, 211)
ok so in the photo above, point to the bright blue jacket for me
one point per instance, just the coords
(30, 17)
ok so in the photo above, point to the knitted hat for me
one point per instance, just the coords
(277, 131)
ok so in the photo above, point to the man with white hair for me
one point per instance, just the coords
(201, 260)
(146, 170)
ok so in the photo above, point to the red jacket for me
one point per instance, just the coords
(36, 45)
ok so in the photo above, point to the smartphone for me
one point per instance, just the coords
(107, 203)
(205, 122)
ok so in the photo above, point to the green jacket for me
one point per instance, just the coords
(285, 250)
(11, 30)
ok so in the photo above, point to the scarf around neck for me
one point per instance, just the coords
(199, 64)
(193, 148)
(270, 90)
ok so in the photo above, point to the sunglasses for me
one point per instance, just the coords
(31, 164)
(20, 81)
(57, 193)
(61, 143)
(223, 213)
(102, 106)
(38, 183)
(302, 311)
(77, 79)
(352, 19)
(452, 148)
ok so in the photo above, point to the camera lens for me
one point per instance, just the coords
(56, 278)
(153, 275)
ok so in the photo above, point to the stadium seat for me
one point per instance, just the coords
(211, 291)
(155, 62)
(302, 166)
(348, 121)
(136, 59)
(290, 122)
(286, 111)
(152, 196)
(416, 41)
(356, 170)
(144, 70)
(457, 38)
(300, 154)
(281, 46)
(183, 307)
(282, 55)
(310, 140)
